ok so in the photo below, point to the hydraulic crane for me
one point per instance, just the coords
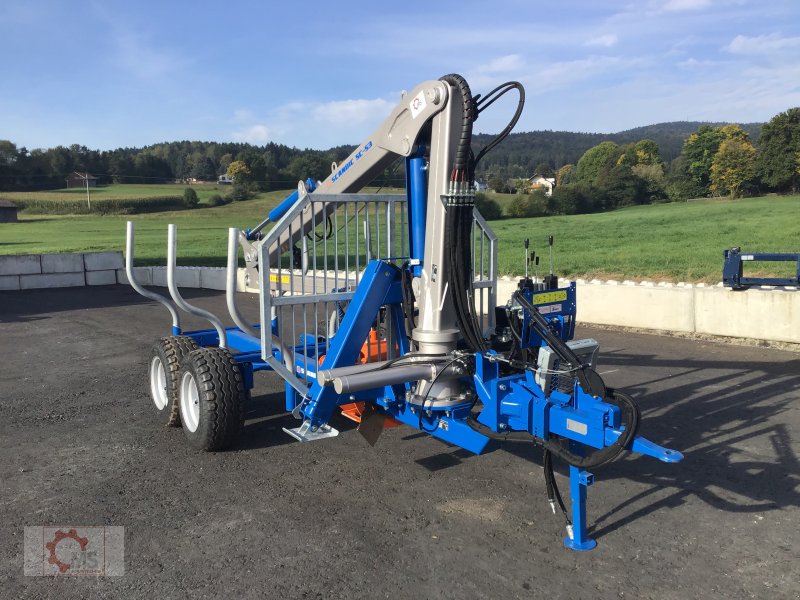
(384, 307)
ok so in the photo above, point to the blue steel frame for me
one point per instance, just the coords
(733, 268)
(510, 402)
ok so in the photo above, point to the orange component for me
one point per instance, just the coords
(373, 350)
(354, 410)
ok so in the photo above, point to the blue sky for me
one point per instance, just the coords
(316, 74)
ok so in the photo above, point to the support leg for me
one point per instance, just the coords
(292, 397)
(577, 539)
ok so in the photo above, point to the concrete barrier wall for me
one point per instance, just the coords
(209, 278)
(757, 313)
(38, 271)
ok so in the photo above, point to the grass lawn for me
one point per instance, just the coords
(202, 232)
(121, 191)
(676, 242)
(673, 242)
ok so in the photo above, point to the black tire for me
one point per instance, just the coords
(168, 353)
(211, 399)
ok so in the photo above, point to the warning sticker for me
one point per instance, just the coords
(548, 297)
(275, 279)
(417, 104)
(552, 308)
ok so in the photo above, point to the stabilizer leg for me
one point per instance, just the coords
(577, 538)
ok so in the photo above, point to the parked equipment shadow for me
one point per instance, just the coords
(265, 418)
(730, 421)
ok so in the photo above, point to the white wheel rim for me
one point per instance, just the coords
(158, 383)
(190, 402)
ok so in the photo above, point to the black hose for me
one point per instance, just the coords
(508, 436)
(486, 102)
(408, 301)
(553, 493)
(596, 458)
(465, 139)
(605, 455)
(427, 394)
(459, 254)
(458, 222)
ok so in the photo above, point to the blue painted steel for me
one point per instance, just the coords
(646, 447)
(276, 213)
(176, 330)
(453, 429)
(416, 193)
(558, 306)
(379, 285)
(291, 397)
(242, 342)
(732, 269)
(517, 403)
(247, 374)
(579, 480)
(238, 340)
(245, 349)
(511, 403)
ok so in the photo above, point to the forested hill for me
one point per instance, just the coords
(275, 166)
(558, 148)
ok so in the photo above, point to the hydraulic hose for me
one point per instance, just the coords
(465, 140)
(605, 455)
(596, 458)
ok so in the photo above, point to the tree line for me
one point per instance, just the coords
(272, 166)
(719, 160)
(667, 161)
(521, 154)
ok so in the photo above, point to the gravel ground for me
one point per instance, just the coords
(410, 518)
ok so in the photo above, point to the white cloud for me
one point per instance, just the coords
(607, 40)
(693, 63)
(352, 111)
(254, 134)
(685, 5)
(497, 69)
(762, 44)
(242, 115)
(560, 74)
(141, 57)
(503, 64)
(312, 124)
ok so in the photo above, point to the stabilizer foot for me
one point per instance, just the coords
(587, 544)
(305, 433)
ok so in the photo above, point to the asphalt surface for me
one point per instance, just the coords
(410, 518)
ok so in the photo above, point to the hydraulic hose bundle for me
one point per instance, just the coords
(458, 224)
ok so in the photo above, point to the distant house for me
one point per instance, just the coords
(8, 212)
(224, 179)
(81, 180)
(480, 186)
(546, 183)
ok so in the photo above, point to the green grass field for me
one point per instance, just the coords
(676, 242)
(121, 191)
(672, 242)
(202, 232)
